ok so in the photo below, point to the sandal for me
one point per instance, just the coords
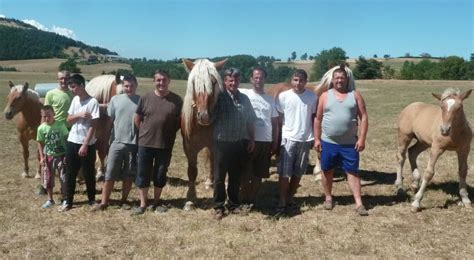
(328, 205)
(361, 211)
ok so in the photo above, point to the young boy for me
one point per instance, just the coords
(51, 139)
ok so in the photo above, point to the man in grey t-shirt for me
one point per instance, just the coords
(122, 157)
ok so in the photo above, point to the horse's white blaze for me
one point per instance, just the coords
(450, 102)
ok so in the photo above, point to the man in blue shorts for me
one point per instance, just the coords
(338, 136)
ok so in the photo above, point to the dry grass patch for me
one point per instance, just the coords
(441, 230)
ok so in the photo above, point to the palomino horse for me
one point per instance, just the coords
(26, 103)
(323, 85)
(103, 88)
(203, 88)
(441, 128)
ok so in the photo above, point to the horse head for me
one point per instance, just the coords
(451, 108)
(203, 87)
(16, 99)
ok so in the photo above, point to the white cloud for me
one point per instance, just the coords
(56, 29)
(64, 32)
(2, 16)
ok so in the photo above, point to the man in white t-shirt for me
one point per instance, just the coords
(257, 164)
(80, 150)
(297, 107)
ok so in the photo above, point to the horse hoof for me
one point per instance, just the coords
(24, 175)
(414, 189)
(401, 193)
(415, 209)
(99, 176)
(37, 176)
(188, 206)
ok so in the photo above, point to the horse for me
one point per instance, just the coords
(443, 128)
(203, 87)
(26, 103)
(103, 88)
(318, 88)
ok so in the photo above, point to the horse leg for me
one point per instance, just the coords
(462, 163)
(317, 167)
(403, 142)
(413, 153)
(101, 153)
(191, 155)
(210, 179)
(26, 155)
(428, 175)
(38, 171)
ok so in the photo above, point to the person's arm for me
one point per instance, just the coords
(364, 122)
(71, 119)
(318, 120)
(137, 119)
(90, 132)
(41, 152)
(251, 127)
(275, 132)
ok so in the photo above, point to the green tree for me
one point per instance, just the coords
(325, 60)
(293, 56)
(304, 56)
(368, 69)
(406, 72)
(70, 65)
(452, 68)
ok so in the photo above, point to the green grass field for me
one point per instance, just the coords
(442, 230)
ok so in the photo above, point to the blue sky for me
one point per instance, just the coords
(207, 28)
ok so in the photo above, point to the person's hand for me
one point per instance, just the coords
(317, 145)
(83, 150)
(43, 162)
(250, 146)
(86, 115)
(360, 145)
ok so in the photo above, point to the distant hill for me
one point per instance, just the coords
(19, 41)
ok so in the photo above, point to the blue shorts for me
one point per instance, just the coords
(342, 155)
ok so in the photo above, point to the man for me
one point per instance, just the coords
(336, 136)
(80, 150)
(233, 119)
(158, 118)
(122, 157)
(257, 165)
(296, 107)
(60, 98)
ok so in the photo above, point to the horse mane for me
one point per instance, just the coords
(100, 86)
(200, 81)
(450, 91)
(30, 93)
(326, 80)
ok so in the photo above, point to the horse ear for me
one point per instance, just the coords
(188, 65)
(465, 95)
(220, 64)
(437, 96)
(10, 84)
(25, 87)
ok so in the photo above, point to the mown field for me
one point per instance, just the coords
(443, 230)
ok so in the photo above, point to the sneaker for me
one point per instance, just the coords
(328, 205)
(161, 209)
(125, 206)
(64, 207)
(138, 211)
(48, 204)
(361, 211)
(218, 214)
(99, 207)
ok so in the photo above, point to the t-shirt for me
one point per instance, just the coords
(264, 107)
(298, 110)
(54, 138)
(161, 119)
(60, 101)
(122, 109)
(79, 129)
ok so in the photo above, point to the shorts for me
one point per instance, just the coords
(257, 163)
(342, 155)
(293, 158)
(121, 162)
(53, 164)
(152, 164)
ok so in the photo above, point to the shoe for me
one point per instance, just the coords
(91, 203)
(48, 204)
(138, 211)
(247, 207)
(218, 214)
(151, 207)
(161, 209)
(328, 205)
(40, 190)
(236, 211)
(125, 206)
(361, 211)
(99, 207)
(64, 207)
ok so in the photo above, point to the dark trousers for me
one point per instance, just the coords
(227, 159)
(74, 163)
(152, 164)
